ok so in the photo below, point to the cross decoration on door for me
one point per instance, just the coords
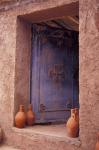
(57, 73)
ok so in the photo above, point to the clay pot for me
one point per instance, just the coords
(97, 144)
(20, 118)
(72, 125)
(1, 135)
(77, 113)
(30, 116)
(77, 118)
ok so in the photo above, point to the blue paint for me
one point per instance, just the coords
(52, 81)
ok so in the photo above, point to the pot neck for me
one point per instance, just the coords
(72, 111)
(76, 111)
(98, 137)
(21, 108)
(30, 107)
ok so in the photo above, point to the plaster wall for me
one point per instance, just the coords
(89, 72)
(22, 64)
(13, 88)
(7, 68)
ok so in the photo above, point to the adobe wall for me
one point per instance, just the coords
(13, 76)
(89, 72)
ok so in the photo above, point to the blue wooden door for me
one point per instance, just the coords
(52, 75)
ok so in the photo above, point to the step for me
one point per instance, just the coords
(40, 137)
(4, 147)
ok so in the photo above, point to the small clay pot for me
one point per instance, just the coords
(97, 144)
(30, 116)
(72, 125)
(20, 118)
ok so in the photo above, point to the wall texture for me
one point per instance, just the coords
(7, 67)
(22, 64)
(11, 50)
(89, 72)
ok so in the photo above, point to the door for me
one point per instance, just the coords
(52, 74)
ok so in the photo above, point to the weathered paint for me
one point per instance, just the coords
(53, 90)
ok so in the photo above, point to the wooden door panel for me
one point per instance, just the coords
(55, 78)
(52, 76)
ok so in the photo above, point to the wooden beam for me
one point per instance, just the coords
(73, 19)
(70, 22)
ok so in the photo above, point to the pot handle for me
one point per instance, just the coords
(74, 116)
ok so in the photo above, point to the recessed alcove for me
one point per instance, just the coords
(23, 63)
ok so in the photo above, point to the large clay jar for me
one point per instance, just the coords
(97, 144)
(72, 125)
(30, 116)
(20, 118)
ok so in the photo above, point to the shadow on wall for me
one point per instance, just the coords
(97, 20)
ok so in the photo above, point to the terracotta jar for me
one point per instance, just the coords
(20, 118)
(30, 116)
(77, 113)
(72, 125)
(77, 118)
(97, 144)
(1, 135)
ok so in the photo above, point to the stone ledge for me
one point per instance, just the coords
(5, 147)
(55, 132)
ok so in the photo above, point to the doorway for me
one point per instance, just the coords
(54, 70)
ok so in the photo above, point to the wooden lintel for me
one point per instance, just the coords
(53, 13)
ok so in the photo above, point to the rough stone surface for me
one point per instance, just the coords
(14, 74)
